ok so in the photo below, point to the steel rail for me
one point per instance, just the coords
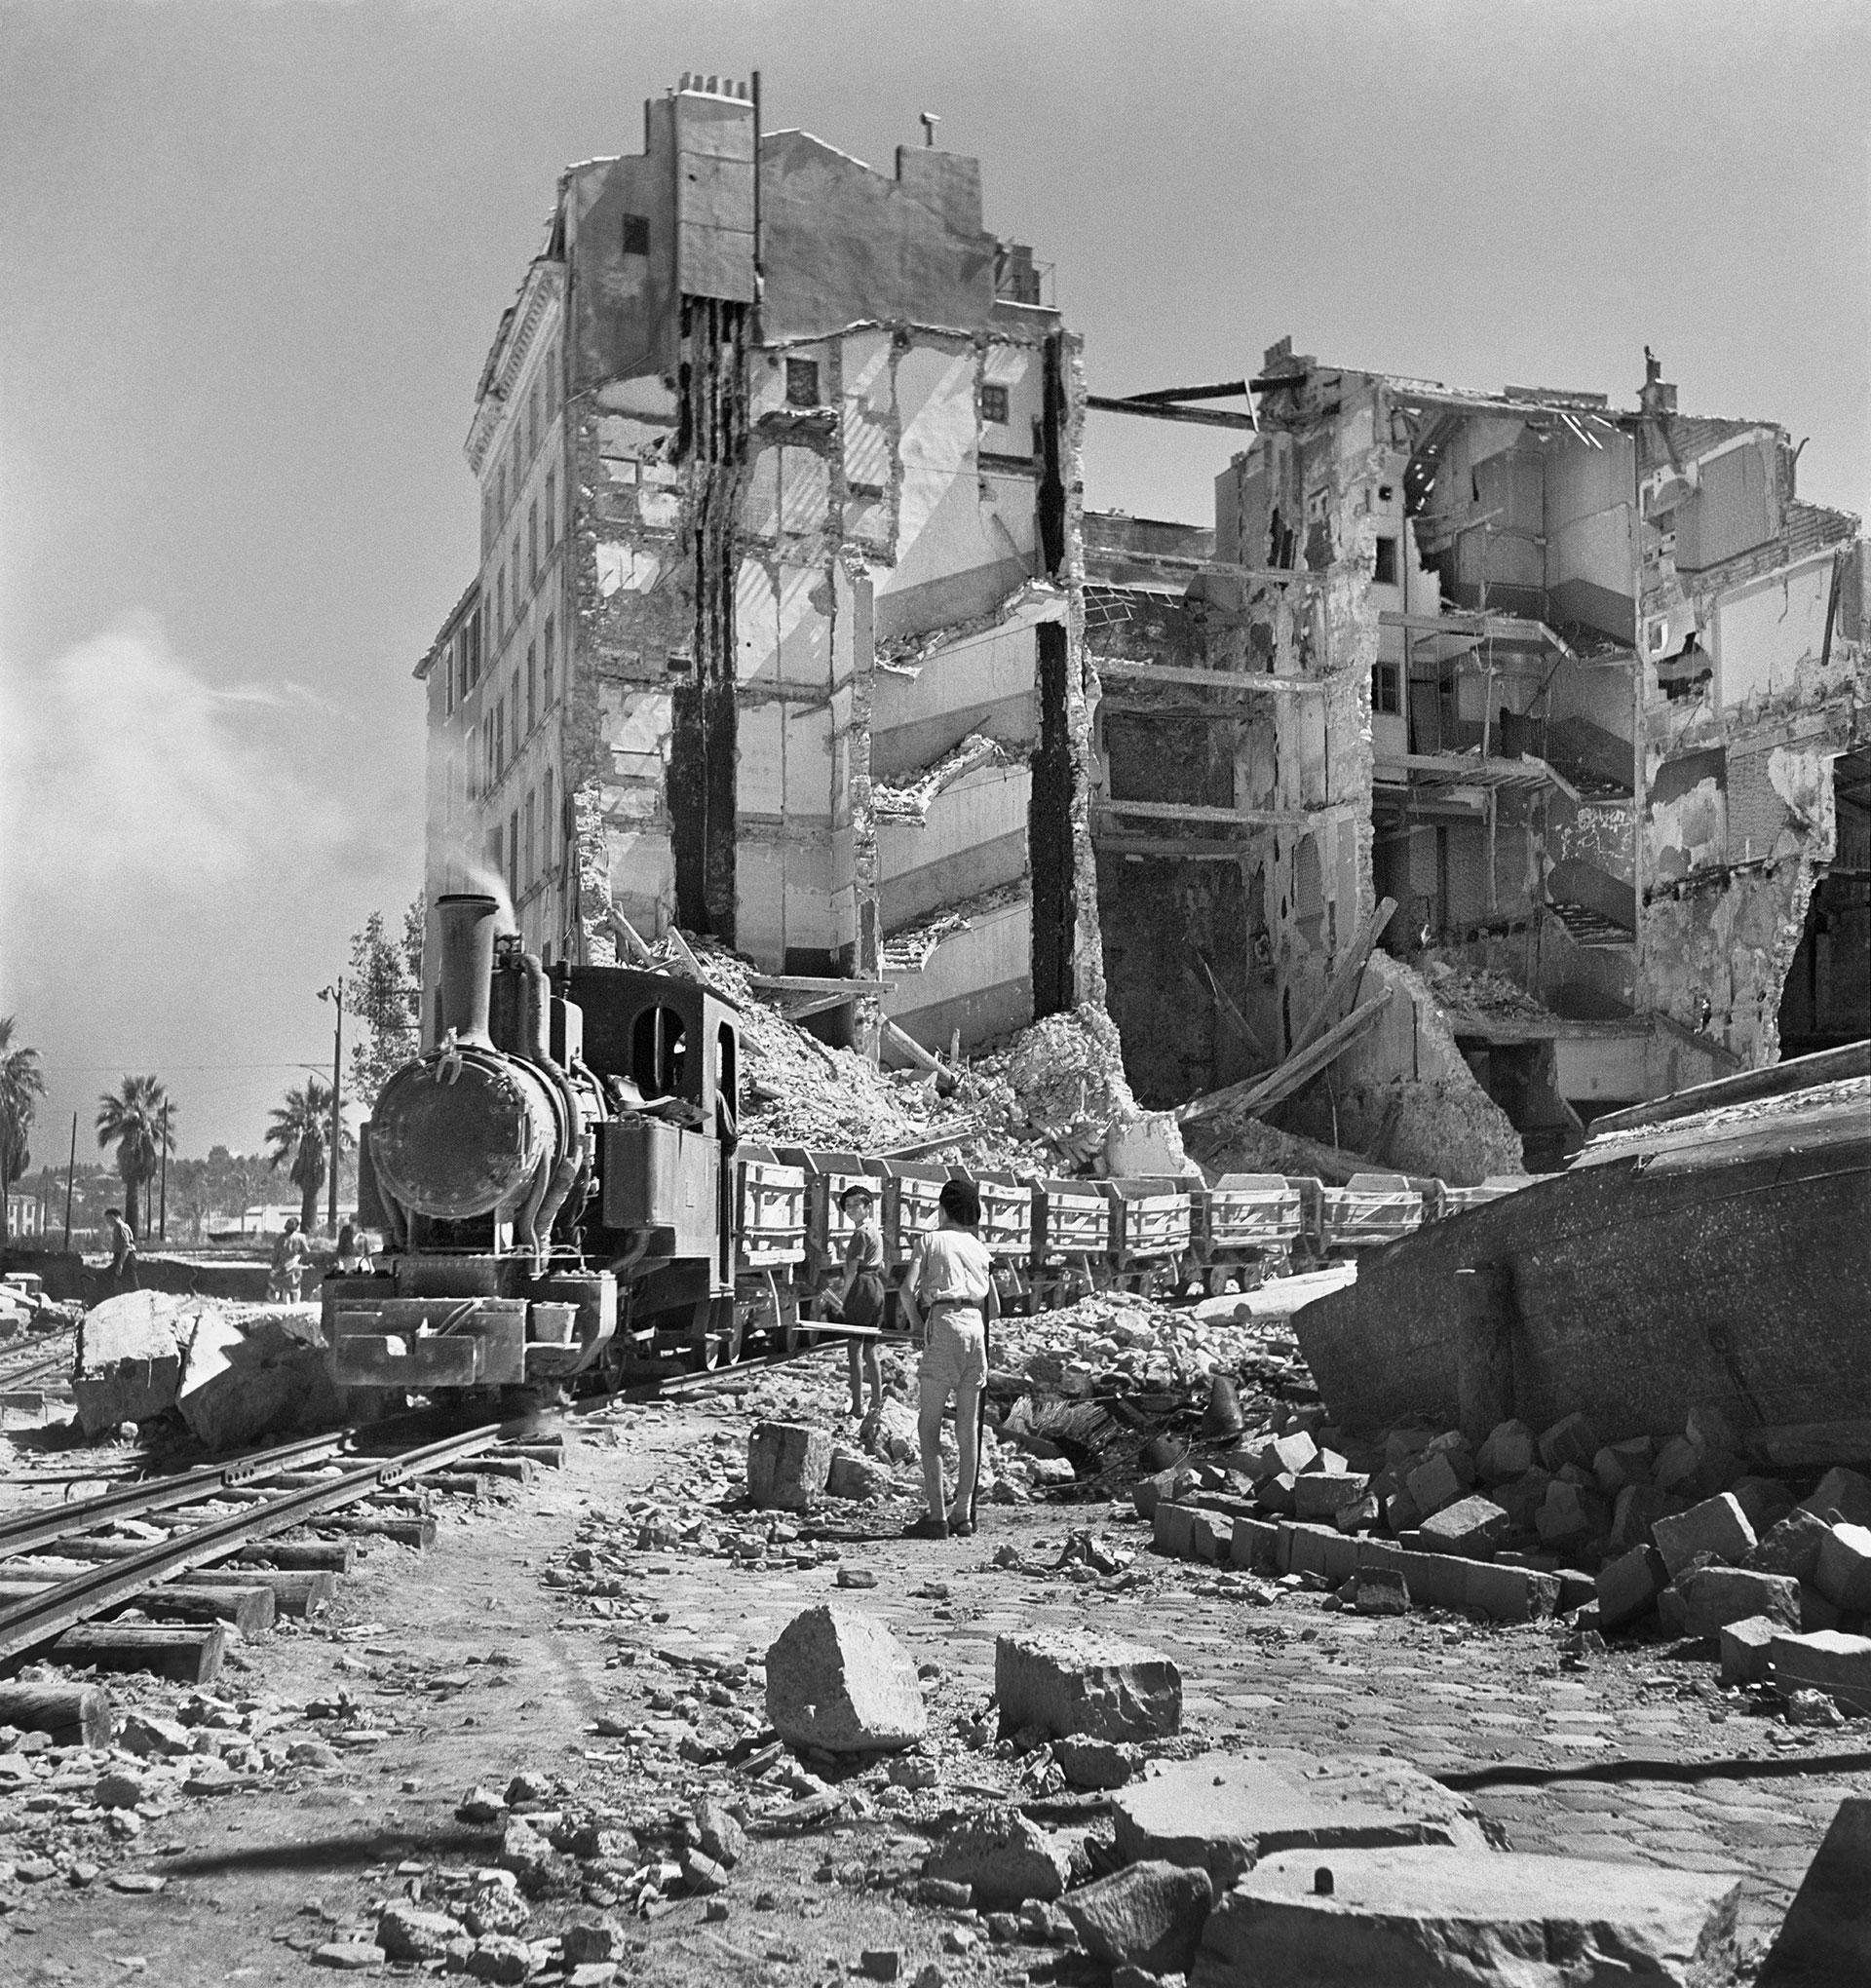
(84, 1595)
(31, 1529)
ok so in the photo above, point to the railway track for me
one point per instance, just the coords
(233, 1545)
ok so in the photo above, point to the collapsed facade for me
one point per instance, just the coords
(1581, 690)
(775, 635)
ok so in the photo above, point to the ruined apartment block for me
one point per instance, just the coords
(776, 633)
(1581, 689)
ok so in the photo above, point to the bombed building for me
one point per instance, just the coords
(1568, 699)
(775, 633)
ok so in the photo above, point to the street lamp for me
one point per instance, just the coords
(335, 995)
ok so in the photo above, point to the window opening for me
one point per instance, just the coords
(802, 383)
(659, 1045)
(994, 405)
(1386, 574)
(636, 235)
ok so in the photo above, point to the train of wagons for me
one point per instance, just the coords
(565, 1194)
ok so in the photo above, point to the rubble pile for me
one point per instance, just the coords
(25, 1308)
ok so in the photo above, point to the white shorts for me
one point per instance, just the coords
(955, 1354)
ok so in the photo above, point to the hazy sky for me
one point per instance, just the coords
(251, 257)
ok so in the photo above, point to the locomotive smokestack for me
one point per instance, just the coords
(467, 962)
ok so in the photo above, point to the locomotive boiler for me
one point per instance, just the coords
(552, 1179)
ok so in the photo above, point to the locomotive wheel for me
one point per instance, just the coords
(715, 1333)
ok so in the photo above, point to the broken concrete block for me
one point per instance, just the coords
(1097, 1763)
(1377, 1591)
(1444, 1916)
(1827, 1935)
(1148, 1916)
(1473, 1527)
(1510, 1451)
(1276, 1494)
(1746, 1646)
(1718, 1526)
(1825, 1661)
(1211, 1536)
(1569, 1441)
(1322, 1494)
(1637, 1507)
(1568, 1513)
(1359, 1515)
(129, 1361)
(1715, 1595)
(1507, 1595)
(1222, 1812)
(255, 1370)
(1618, 1464)
(1521, 1499)
(405, 1933)
(1840, 1490)
(1677, 1462)
(1629, 1587)
(1401, 1513)
(837, 1678)
(1253, 1545)
(1791, 1545)
(855, 1476)
(1172, 1530)
(1433, 1484)
(788, 1465)
(1003, 1858)
(1067, 1684)
(1765, 1500)
(1843, 1574)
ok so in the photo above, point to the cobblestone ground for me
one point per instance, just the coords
(473, 1661)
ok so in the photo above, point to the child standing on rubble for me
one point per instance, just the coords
(948, 1297)
(862, 1301)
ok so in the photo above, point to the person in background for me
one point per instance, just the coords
(948, 1297)
(862, 1301)
(290, 1253)
(353, 1257)
(123, 1250)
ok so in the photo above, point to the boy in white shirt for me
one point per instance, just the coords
(949, 1298)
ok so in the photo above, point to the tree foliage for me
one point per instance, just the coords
(384, 991)
(21, 1085)
(140, 1120)
(298, 1138)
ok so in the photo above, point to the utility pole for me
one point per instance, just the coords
(71, 1175)
(162, 1219)
(335, 995)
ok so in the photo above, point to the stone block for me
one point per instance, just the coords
(1827, 1661)
(253, 1370)
(1843, 1574)
(1840, 1490)
(838, 1679)
(1474, 1527)
(405, 1933)
(128, 1363)
(1254, 1544)
(1571, 1440)
(1629, 1587)
(1509, 1595)
(1618, 1464)
(1403, 1446)
(1827, 1935)
(1677, 1462)
(1210, 1537)
(1765, 1500)
(1815, 1612)
(1511, 1450)
(1097, 1763)
(1433, 1483)
(1320, 1550)
(1521, 1499)
(1401, 1513)
(1222, 1812)
(719, 1835)
(1636, 1509)
(1434, 1918)
(1064, 1683)
(1568, 1513)
(1377, 1591)
(788, 1465)
(1746, 1648)
(1276, 1494)
(1718, 1526)
(1791, 1545)
(1149, 1916)
(1716, 1595)
(1321, 1494)
(1003, 1858)
(1172, 1530)
(857, 1476)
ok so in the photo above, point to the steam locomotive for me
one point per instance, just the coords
(565, 1194)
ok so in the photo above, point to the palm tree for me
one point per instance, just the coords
(301, 1132)
(21, 1087)
(140, 1120)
